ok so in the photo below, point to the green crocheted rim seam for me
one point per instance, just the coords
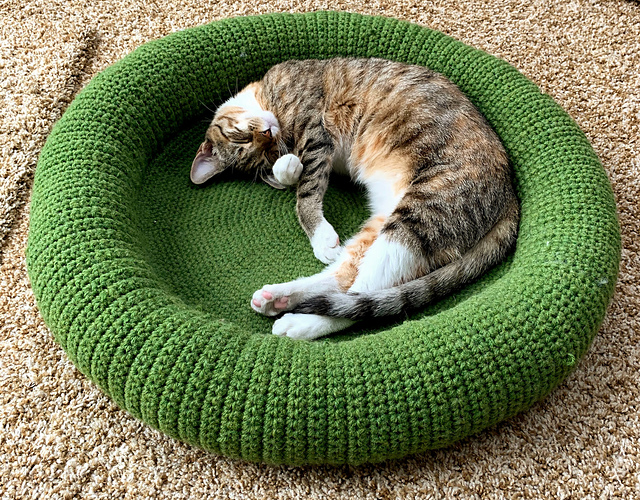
(144, 279)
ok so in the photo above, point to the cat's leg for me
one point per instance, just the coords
(354, 251)
(272, 300)
(316, 155)
(339, 276)
(388, 263)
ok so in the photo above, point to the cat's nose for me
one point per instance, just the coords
(266, 133)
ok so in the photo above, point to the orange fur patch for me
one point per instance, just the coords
(231, 111)
(348, 271)
(375, 160)
(339, 119)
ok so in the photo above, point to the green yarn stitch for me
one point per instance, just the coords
(145, 279)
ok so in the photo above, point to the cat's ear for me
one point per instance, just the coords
(272, 181)
(206, 164)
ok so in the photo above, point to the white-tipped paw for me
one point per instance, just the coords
(326, 243)
(308, 326)
(287, 169)
(272, 300)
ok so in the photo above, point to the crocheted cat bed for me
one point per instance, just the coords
(145, 278)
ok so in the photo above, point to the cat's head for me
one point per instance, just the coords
(243, 137)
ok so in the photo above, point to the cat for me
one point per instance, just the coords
(437, 178)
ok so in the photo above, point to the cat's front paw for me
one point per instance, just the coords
(287, 169)
(326, 243)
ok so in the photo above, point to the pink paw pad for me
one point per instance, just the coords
(267, 295)
(281, 303)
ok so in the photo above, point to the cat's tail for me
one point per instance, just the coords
(487, 253)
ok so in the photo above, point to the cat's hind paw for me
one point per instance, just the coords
(272, 300)
(287, 169)
(308, 326)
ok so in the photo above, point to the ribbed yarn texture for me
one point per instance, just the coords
(145, 279)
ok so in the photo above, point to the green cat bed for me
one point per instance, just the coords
(145, 279)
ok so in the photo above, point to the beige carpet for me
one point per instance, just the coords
(61, 438)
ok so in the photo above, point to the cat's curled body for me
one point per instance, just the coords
(437, 177)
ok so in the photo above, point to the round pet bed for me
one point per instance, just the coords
(145, 279)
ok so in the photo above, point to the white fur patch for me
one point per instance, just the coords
(308, 326)
(326, 243)
(245, 99)
(287, 169)
(382, 197)
(385, 264)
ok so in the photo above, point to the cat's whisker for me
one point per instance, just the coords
(207, 108)
(282, 147)
(258, 171)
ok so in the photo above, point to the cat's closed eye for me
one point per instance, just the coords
(239, 136)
